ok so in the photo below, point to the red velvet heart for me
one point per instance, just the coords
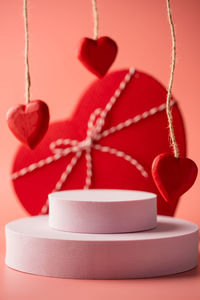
(143, 141)
(29, 122)
(97, 55)
(173, 176)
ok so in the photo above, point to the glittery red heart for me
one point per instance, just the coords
(173, 176)
(29, 122)
(97, 55)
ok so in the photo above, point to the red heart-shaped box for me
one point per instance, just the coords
(143, 140)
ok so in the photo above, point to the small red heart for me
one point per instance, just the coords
(29, 122)
(97, 55)
(173, 176)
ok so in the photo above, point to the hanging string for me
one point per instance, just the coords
(168, 106)
(96, 19)
(27, 73)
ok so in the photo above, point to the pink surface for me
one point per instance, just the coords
(102, 211)
(20, 286)
(54, 78)
(33, 247)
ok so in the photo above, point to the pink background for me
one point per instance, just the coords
(141, 30)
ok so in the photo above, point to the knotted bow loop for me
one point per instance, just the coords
(94, 124)
(66, 146)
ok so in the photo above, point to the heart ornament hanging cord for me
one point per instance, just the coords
(97, 54)
(28, 122)
(173, 175)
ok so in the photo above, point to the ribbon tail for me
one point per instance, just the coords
(134, 120)
(37, 165)
(63, 178)
(67, 171)
(88, 179)
(123, 155)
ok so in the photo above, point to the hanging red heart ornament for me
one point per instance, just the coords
(29, 122)
(97, 55)
(173, 176)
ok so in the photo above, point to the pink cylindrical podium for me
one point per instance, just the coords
(33, 247)
(102, 211)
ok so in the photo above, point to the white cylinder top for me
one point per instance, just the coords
(102, 195)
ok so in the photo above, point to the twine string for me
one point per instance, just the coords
(173, 141)
(96, 19)
(27, 72)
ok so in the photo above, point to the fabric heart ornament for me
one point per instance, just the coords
(97, 55)
(119, 151)
(173, 176)
(29, 122)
